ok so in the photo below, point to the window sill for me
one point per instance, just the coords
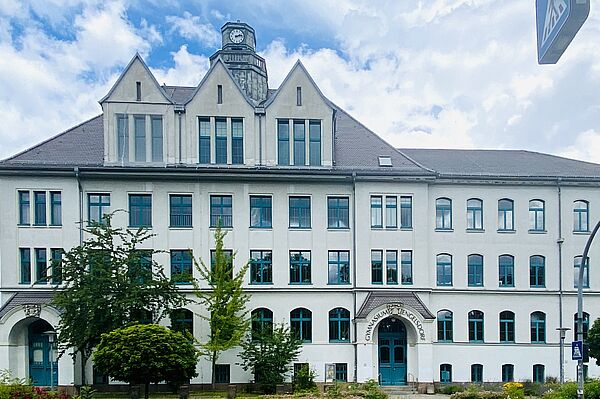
(537, 231)
(39, 225)
(181, 228)
(222, 227)
(252, 283)
(406, 228)
(507, 231)
(475, 231)
(506, 286)
(342, 284)
(445, 230)
(139, 227)
(376, 227)
(338, 228)
(23, 225)
(295, 284)
(537, 286)
(476, 286)
(444, 285)
(583, 233)
(340, 341)
(409, 284)
(444, 342)
(258, 228)
(300, 228)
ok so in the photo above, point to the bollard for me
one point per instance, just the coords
(184, 391)
(231, 391)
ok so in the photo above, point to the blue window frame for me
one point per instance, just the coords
(537, 271)
(227, 260)
(314, 148)
(98, 207)
(299, 213)
(221, 140)
(537, 218)
(301, 324)
(56, 270)
(391, 212)
(391, 267)
(283, 142)
(376, 211)
(339, 267)
(24, 208)
(204, 134)
(444, 326)
(443, 214)
(341, 372)
(237, 141)
(182, 320)
(261, 211)
(581, 216)
(506, 271)
(139, 126)
(406, 267)
(508, 373)
(506, 215)
(300, 267)
(156, 124)
(55, 208)
(261, 267)
(538, 373)
(25, 257)
(377, 267)
(444, 269)
(338, 215)
(586, 272)
(41, 266)
(406, 212)
(475, 326)
(445, 373)
(221, 211)
(181, 266)
(538, 328)
(477, 373)
(475, 270)
(586, 326)
(122, 137)
(299, 143)
(262, 322)
(140, 210)
(339, 325)
(180, 212)
(39, 200)
(474, 214)
(507, 326)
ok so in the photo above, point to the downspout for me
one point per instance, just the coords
(180, 137)
(80, 189)
(355, 340)
(561, 330)
(260, 139)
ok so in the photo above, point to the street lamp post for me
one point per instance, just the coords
(562, 332)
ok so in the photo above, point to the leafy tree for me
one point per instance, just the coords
(225, 302)
(269, 355)
(593, 340)
(145, 353)
(108, 283)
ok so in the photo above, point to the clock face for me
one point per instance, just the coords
(236, 36)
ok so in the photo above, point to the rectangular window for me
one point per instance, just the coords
(475, 270)
(537, 271)
(391, 214)
(237, 141)
(537, 219)
(300, 267)
(477, 373)
(220, 211)
(139, 123)
(506, 216)
(508, 373)
(298, 96)
(204, 133)
(122, 137)
(55, 208)
(41, 266)
(586, 275)
(339, 267)
(180, 210)
(338, 214)
(299, 143)
(314, 135)
(140, 210)
(444, 269)
(377, 267)
(406, 212)
(474, 214)
(283, 142)
(406, 267)
(25, 256)
(341, 372)
(39, 199)
(391, 267)
(443, 214)
(260, 212)
(24, 206)
(98, 207)
(227, 260)
(581, 216)
(376, 211)
(56, 270)
(506, 272)
(219, 94)
(261, 267)
(156, 124)
(222, 374)
(221, 140)
(300, 212)
(181, 266)
(138, 91)
(538, 374)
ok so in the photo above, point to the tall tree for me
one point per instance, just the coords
(225, 301)
(593, 340)
(108, 283)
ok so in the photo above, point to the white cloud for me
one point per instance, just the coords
(585, 147)
(191, 27)
(187, 71)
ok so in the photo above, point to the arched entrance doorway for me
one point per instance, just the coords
(392, 352)
(43, 365)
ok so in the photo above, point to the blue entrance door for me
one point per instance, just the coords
(40, 355)
(392, 352)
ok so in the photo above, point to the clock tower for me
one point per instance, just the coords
(238, 52)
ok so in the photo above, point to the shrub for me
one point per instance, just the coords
(450, 389)
(473, 394)
(592, 389)
(514, 390)
(368, 390)
(304, 379)
(334, 391)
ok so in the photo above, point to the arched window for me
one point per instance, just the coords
(507, 326)
(581, 216)
(586, 326)
(445, 373)
(182, 320)
(477, 373)
(476, 326)
(443, 214)
(262, 322)
(537, 271)
(444, 326)
(508, 372)
(474, 214)
(475, 270)
(339, 325)
(538, 373)
(537, 219)
(538, 328)
(301, 324)
(506, 271)
(506, 215)
(586, 272)
(444, 269)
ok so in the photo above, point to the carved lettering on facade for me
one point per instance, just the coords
(32, 310)
(395, 309)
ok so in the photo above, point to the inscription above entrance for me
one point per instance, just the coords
(395, 309)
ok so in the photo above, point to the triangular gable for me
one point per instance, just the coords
(234, 80)
(139, 58)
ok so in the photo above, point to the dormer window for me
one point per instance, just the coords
(138, 91)
(219, 94)
(298, 96)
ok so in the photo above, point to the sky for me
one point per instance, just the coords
(430, 73)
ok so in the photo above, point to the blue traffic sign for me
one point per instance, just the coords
(577, 350)
(557, 23)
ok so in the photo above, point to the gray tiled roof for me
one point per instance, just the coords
(179, 94)
(26, 298)
(501, 163)
(377, 299)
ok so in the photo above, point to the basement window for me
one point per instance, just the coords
(385, 161)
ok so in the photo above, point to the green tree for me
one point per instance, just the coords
(269, 355)
(593, 340)
(108, 283)
(225, 302)
(147, 353)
